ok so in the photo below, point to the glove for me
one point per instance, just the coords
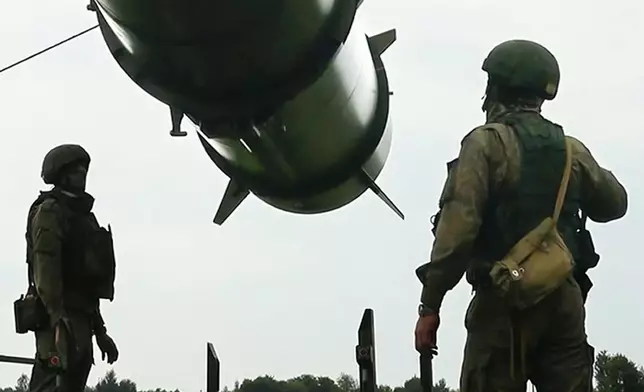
(107, 347)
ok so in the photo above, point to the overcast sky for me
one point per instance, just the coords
(283, 294)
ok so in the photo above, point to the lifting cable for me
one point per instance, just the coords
(47, 49)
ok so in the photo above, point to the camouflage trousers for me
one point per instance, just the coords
(80, 358)
(545, 344)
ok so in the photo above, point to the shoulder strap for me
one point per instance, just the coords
(564, 183)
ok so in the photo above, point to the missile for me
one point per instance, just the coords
(289, 98)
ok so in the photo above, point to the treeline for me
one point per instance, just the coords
(613, 373)
(309, 383)
(109, 383)
(304, 383)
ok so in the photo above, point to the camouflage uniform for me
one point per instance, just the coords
(58, 232)
(548, 341)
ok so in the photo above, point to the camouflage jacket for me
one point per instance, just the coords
(489, 159)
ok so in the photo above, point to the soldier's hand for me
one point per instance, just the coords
(108, 348)
(426, 328)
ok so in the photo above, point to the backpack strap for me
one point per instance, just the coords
(564, 183)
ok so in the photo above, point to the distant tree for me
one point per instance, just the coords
(617, 373)
(261, 384)
(22, 385)
(411, 385)
(346, 383)
(442, 387)
(304, 383)
(309, 383)
(126, 385)
(109, 383)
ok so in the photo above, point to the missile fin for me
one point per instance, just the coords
(233, 197)
(381, 42)
(376, 189)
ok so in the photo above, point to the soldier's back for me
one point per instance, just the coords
(546, 343)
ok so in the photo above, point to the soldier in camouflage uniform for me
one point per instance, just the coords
(503, 183)
(71, 266)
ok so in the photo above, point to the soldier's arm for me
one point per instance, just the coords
(603, 198)
(46, 235)
(465, 195)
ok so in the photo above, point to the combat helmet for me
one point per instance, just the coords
(524, 65)
(61, 156)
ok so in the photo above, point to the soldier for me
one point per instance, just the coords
(503, 184)
(71, 266)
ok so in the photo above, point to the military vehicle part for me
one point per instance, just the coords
(212, 369)
(290, 97)
(366, 353)
(427, 371)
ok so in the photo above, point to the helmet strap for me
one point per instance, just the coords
(499, 100)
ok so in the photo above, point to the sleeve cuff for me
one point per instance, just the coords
(98, 324)
(100, 330)
(432, 298)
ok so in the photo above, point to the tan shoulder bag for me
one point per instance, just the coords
(539, 262)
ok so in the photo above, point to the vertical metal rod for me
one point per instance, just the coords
(366, 353)
(427, 371)
(212, 369)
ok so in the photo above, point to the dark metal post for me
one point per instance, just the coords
(366, 353)
(426, 370)
(212, 369)
(18, 360)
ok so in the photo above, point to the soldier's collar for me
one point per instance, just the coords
(82, 203)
